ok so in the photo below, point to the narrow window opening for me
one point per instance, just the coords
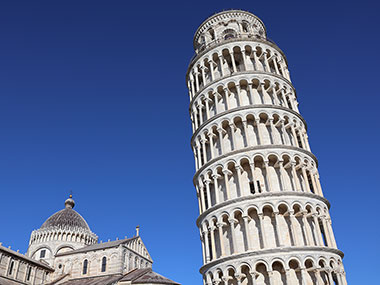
(206, 198)
(323, 235)
(258, 187)
(252, 187)
(202, 157)
(10, 270)
(289, 104)
(209, 242)
(310, 183)
(29, 272)
(299, 141)
(43, 253)
(104, 264)
(85, 265)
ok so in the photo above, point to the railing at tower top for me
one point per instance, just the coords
(204, 46)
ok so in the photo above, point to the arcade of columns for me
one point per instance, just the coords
(263, 218)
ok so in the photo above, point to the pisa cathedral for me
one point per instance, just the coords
(263, 218)
(65, 251)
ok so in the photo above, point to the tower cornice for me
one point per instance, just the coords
(224, 42)
(249, 107)
(253, 198)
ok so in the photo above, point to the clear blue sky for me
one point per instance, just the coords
(93, 98)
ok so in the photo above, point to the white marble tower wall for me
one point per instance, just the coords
(263, 218)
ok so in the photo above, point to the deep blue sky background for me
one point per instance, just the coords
(93, 98)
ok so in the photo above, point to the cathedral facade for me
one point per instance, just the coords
(65, 251)
(263, 218)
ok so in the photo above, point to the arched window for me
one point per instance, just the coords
(43, 253)
(229, 34)
(104, 264)
(11, 264)
(29, 272)
(85, 265)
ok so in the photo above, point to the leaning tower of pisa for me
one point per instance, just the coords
(263, 217)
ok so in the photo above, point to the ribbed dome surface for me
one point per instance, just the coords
(66, 219)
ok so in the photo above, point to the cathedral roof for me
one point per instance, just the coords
(136, 276)
(98, 246)
(67, 218)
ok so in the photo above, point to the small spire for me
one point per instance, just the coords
(137, 230)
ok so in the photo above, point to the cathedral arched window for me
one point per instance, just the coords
(11, 265)
(29, 272)
(43, 253)
(85, 266)
(104, 264)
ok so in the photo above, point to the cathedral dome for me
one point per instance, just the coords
(66, 218)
